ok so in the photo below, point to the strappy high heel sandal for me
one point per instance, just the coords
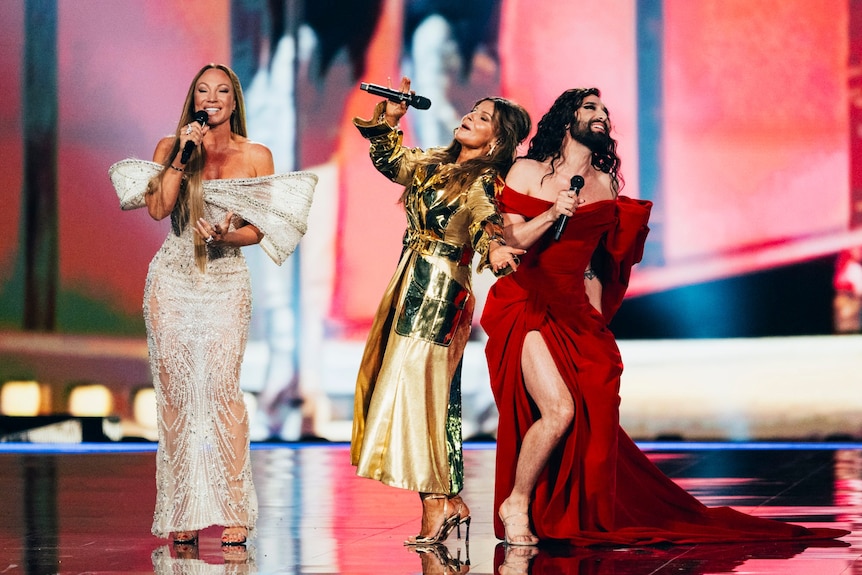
(234, 536)
(466, 519)
(436, 559)
(185, 538)
(450, 522)
(507, 522)
(186, 551)
(234, 554)
(517, 560)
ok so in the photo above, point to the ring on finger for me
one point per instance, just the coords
(209, 239)
(188, 129)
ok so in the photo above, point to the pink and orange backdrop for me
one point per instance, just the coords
(737, 126)
(739, 119)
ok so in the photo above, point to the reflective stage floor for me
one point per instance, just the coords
(88, 508)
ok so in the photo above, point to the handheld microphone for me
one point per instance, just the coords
(575, 184)
(418, 102)
(201, 118)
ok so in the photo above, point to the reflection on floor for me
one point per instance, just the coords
(88, 508)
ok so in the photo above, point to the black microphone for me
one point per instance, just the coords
(201, 118)
(418, 102)
(576, 183)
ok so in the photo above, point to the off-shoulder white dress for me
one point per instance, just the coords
(197, 326)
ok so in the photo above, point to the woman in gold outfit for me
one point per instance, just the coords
(407, 410)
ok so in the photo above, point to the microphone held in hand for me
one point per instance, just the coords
(201, 118)
(418, 102)
(575, 184)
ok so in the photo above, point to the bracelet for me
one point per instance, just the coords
(498, 239)
(173, 167)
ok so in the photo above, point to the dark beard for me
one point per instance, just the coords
(597, 142)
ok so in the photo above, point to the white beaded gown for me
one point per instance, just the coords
(197, 327)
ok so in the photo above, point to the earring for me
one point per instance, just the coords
(491, 151)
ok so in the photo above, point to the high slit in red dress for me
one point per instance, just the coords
(598, 487)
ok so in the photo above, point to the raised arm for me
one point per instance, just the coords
(391, 158)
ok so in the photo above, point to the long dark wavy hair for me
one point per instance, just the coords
(511, 125)
(559, 119)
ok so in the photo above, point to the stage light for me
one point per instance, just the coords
(20, 398)
(90, 400)
(251, 404)
(144, 407)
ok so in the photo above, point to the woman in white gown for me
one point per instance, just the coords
(197, 299)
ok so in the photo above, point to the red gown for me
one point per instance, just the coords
(598, 487)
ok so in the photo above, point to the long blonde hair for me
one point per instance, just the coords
(190, 203)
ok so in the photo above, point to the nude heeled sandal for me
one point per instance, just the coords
(450, 522)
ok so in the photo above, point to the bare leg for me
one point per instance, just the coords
(546, 387)
(236, 454)
(172, 420)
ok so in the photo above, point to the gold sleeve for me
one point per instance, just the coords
(487, 223)
(389, 155)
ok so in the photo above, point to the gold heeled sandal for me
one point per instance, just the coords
(462, 519)
(450, 522)
(437, 559)
(458, 527)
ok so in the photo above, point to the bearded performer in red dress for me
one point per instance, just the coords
(565, 469)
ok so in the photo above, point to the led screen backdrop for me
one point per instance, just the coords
(732, 115)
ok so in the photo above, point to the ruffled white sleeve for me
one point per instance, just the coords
(277, 205)
(130, 179)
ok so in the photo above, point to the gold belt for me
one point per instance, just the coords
(431, 247)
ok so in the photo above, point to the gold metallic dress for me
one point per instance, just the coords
(407, 408)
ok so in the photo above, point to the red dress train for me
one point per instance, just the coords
(598, 487)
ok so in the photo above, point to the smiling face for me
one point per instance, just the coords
(214, 94)
(590, 125)
(478, 129)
